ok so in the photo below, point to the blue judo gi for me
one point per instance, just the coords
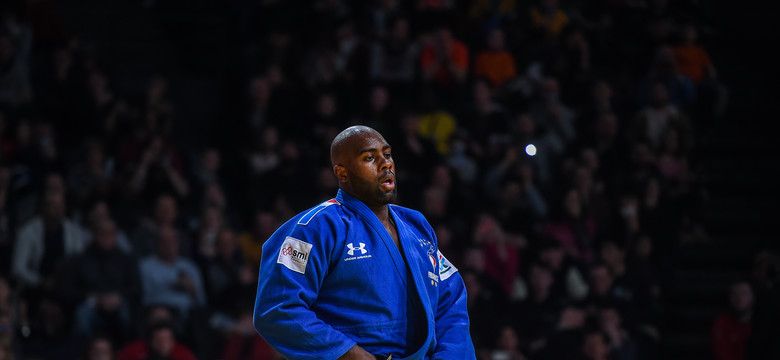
(332, 277)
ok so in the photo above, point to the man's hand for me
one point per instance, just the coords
(357, 353)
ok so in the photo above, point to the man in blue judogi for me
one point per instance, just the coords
(358, 278)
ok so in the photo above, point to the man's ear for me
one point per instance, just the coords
(341, 173)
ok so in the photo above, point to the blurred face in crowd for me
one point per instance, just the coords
(594, 347)
(473, 285)
(211, 160)
(167, 243)
(572, 204)
(495, 40)
(265, 224)
(162, 342)
(600, 280)
(54, 183)
(659, 95)
(644, 247)
(541, 279)
(165, 210)
(741, 297)
(54, 208)
(507, 339)
(609, 318)
(105, 235)
(435, 202)
(553, 257)
(6, 48)
(100, 349)
(612, 254)
(327, 105)
(400, 30)
(226, 244)
(259, 91)
(379, 98)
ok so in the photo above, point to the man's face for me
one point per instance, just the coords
(368, 170)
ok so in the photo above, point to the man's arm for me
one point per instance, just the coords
(294, 264)
(453, 340)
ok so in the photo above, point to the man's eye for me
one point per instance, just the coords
(369, 157)
(387, 155)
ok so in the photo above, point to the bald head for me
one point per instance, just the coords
(363, 165)
(349, 141)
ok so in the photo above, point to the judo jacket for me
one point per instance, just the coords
(332, 277)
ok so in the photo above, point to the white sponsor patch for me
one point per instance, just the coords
(446, 269)
(294, 254)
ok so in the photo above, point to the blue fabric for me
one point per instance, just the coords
(332, 277)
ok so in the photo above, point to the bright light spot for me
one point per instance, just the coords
(530, 150)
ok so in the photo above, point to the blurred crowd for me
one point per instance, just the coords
(550, 144)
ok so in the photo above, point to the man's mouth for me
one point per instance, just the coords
(388, 183)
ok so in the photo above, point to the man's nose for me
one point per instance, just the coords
(386, 163)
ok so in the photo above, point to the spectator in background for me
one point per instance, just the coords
(93, 176)
(245, 344)
(695, 63)
(379, 114)
(594, 346)
(555, 119)
(568, 280)
(507, 345)
(165, 215)
(15, 86)
(159, 344)
(394, 59)
(419, 155)
(537, 315)
(664, 70)
(100, 348)
(444, 61)
(620, 344)
(652, 121)
(170, 279)
(485, 120)
(97, 213)
(101, 284)
(229, 282)
(573, 228)
(160, 171)
(211, 222)
(502, 259)
(43, 242)
(495, 63)
(731, 330)
(264, 223)
(548, 19)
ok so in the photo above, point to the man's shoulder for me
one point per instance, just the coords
(323, 211)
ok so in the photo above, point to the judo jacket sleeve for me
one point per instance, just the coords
(295, 262)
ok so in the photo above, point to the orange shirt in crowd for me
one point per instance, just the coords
(692, 61)
(496, 66)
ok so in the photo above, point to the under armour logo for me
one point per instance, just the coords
(352, 249)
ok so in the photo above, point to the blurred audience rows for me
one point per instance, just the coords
(551, 144)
